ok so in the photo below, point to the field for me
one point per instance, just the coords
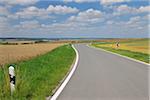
(36, 78)
(135, 48)
(14, 53)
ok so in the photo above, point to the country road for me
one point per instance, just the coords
(104, 76)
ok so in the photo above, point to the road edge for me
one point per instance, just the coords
(119, 55)
(62, 86)
(138, 61)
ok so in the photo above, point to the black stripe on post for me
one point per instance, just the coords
(12, 79)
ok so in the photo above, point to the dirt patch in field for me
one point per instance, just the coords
(14, 53)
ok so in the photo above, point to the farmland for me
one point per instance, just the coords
(36, 78)
(136, 45)
(134, 48)
(15, 53)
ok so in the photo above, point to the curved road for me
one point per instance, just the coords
(104, 76)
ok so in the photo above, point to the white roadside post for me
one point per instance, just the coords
(12, 78)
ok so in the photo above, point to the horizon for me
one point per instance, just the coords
(74, 19)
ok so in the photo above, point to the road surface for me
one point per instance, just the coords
(104, 76)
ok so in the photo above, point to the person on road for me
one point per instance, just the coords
(117, 44)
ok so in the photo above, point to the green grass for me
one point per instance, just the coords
(37, 77)
(136, 55)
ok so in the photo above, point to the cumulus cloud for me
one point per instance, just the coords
(80, 1)
(3, 23)
(89, 15)
(33, 11)
(82, 21)
(3, 11)
(107, 2)
(61, 9)
(19, 2)
(110, 22)
(125, 9)
(136, 22)
(136, 26)
(144, 9)
(78, 22)
(30, 24)
(133, 20)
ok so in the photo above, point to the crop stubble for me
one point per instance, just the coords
(14, 53)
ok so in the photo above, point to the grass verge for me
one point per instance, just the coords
(37, 77)
(136, 55)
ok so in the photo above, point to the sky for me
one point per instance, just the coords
(74, 18)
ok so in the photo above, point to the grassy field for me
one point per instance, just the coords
(37, 77)
(15, 53)
(138, 49)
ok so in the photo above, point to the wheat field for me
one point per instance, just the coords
(14, 53)
(134, 45)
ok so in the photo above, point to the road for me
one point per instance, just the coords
(104, 76)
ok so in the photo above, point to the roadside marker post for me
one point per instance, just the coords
(12, 78)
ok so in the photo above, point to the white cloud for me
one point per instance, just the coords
(3, 10)
(136, 26)
(5, 26)
(80, 1)
(61, 9)
(3, 23)
(89, 15)
(107, 2)
(82, 22)
(33, 11)
(144, 9)
(110, 22)
(134, 20)
(125, 9)
(139, 23)
(20, 2)
(30, 24)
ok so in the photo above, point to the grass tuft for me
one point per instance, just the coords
(37, 77)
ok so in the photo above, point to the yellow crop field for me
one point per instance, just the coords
(14, 53)
(136, 45)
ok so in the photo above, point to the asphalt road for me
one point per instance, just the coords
(105, 76)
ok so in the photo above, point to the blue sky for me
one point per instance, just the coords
(74, 18)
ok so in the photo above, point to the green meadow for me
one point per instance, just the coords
(137, 49)
(38, 77)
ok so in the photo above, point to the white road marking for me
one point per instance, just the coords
(129, 59)
(120, 55)
(60, 89)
